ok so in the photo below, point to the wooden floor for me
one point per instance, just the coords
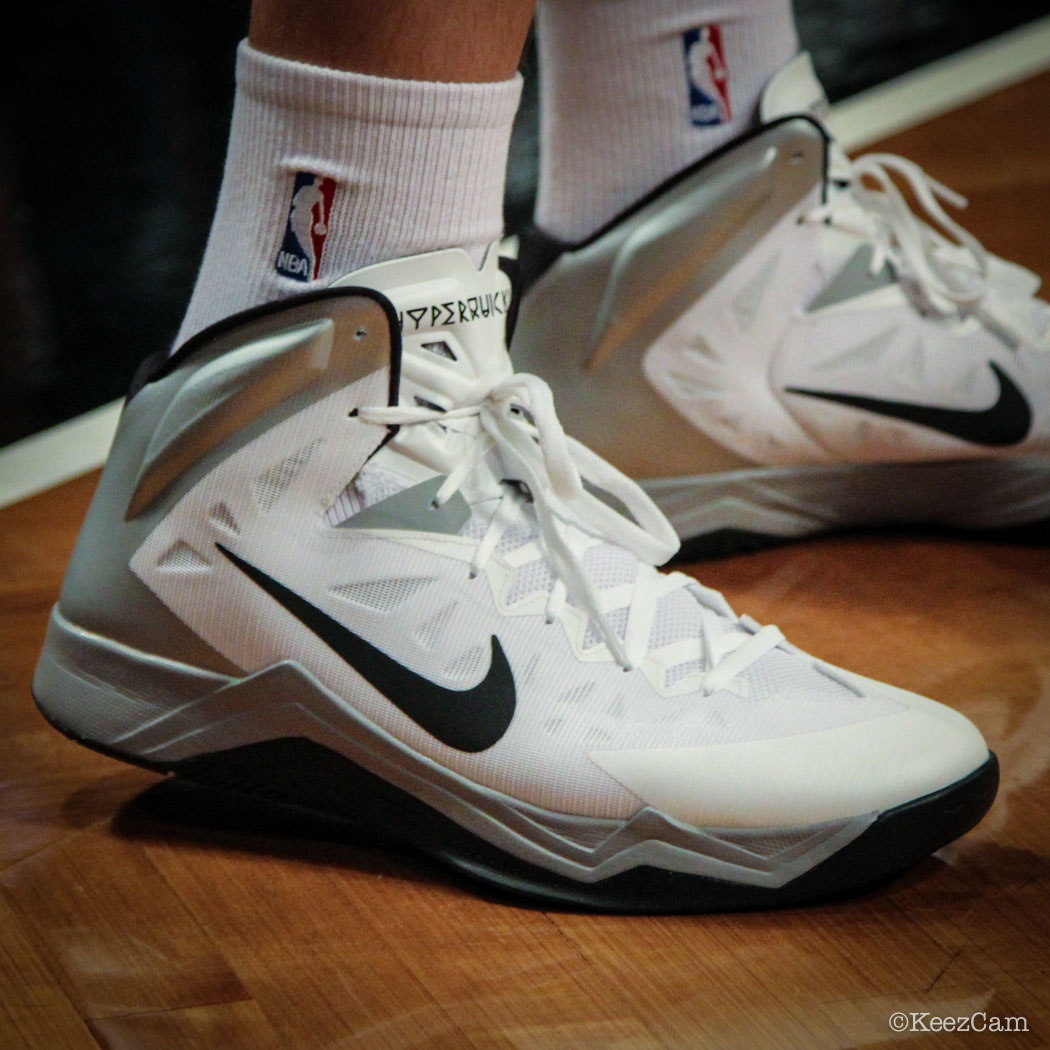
(132, 917)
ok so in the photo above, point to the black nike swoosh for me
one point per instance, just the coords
(466, 719)
(1007, 422)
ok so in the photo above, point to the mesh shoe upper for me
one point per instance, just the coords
(469, 531)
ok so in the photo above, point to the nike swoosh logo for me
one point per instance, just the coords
(1007, 422)
(465, 719)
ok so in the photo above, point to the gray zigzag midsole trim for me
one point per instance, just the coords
(161, 713)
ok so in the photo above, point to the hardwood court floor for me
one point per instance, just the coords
(132, 917)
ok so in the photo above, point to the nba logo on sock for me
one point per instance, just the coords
(707, 75)
(307, 227)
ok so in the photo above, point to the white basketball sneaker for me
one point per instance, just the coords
(800, 350)
(343, 558)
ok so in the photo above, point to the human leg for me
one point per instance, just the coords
(359, 133)
(342, 556)
(803, 351)
(632, 91)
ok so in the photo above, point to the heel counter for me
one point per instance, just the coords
(234, 383)
(100, 593)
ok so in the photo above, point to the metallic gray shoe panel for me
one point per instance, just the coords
(585, 325)
(227, 395)
(853, 280)
(199, 714)
(413, 509)
(100, 592)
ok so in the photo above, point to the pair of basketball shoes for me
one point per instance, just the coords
(344, 556)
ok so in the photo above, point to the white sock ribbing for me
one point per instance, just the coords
(327, 171)
(619, 111)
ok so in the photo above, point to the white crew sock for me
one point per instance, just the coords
(377, 168)
(619, 113)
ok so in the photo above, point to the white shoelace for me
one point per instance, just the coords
(950, 272)
(517, 419)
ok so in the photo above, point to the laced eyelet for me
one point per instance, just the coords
(360, 333)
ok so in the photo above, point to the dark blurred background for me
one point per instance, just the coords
(113, 122)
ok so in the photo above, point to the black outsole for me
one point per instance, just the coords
(296, 777)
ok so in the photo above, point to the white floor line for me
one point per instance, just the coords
(80, 445)
(942, 86)
(56, 455)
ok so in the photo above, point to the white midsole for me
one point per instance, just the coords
(158, 710)
(797, 501)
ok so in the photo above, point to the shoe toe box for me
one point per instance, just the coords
(868, 766)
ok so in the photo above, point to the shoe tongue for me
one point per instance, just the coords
(453, 325)
(453, 319)
(794, 88)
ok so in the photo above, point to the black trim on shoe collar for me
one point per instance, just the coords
(160, 364)
(538, 250)
(512, 268)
